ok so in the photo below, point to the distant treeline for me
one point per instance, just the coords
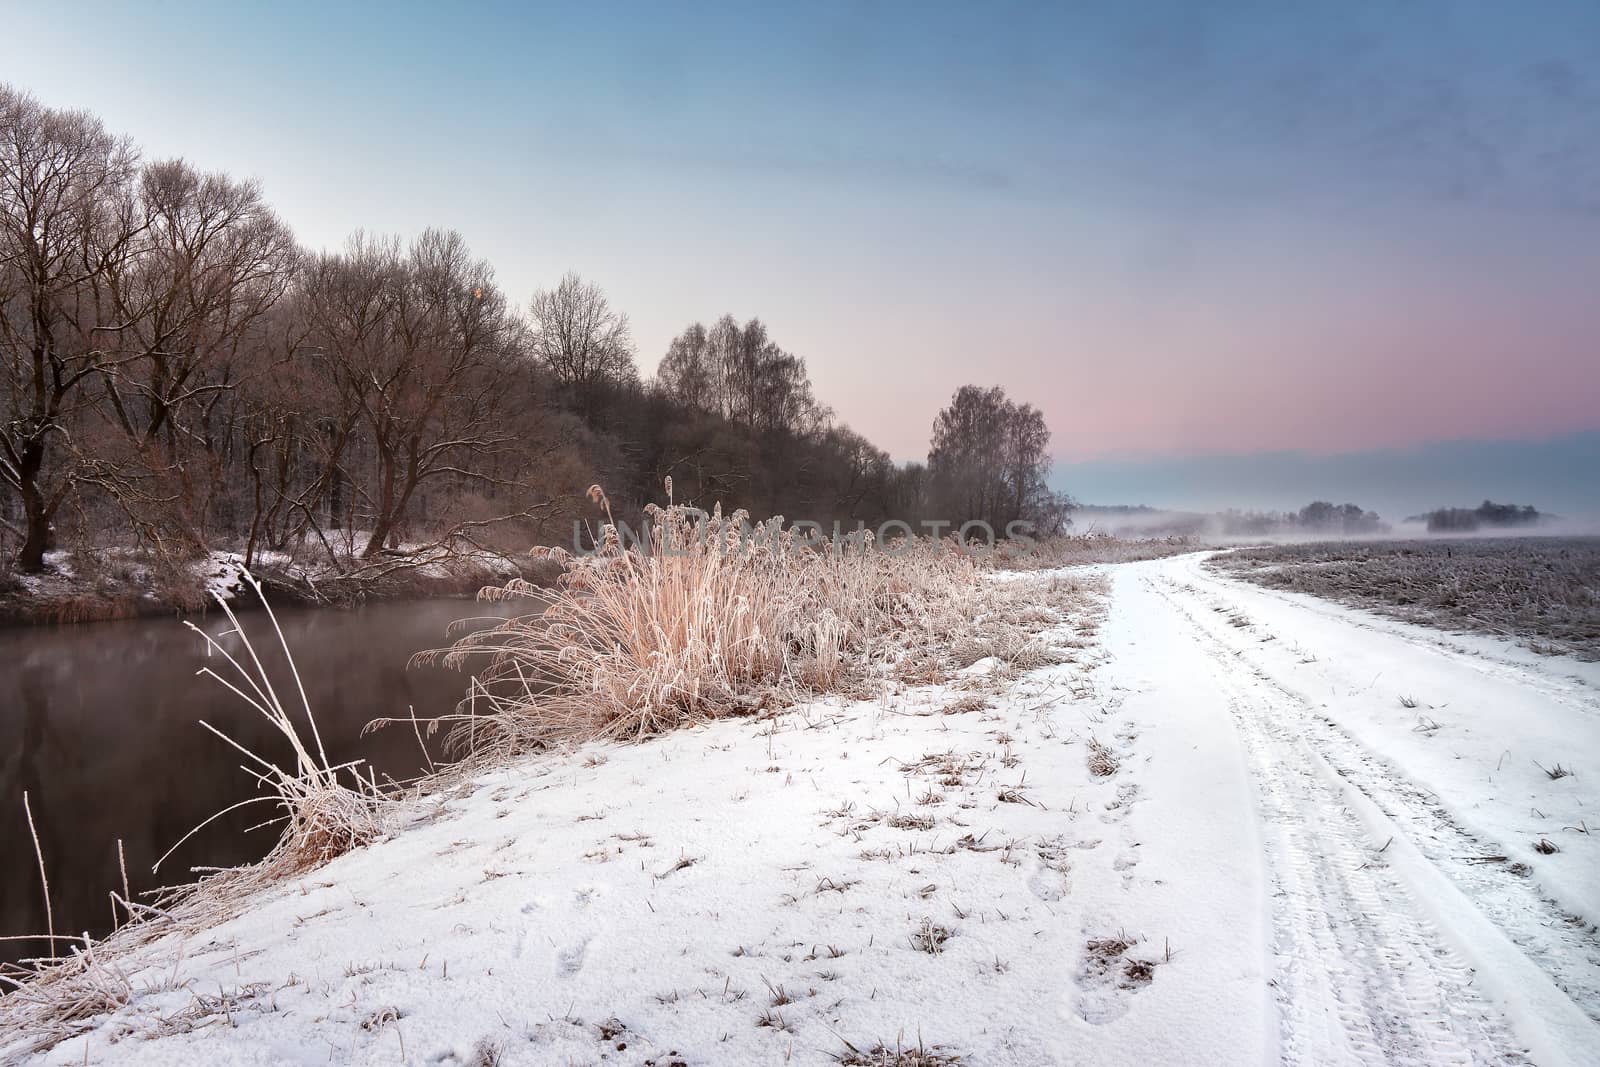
(1319, 518)
(1487, 515)
(177, 373)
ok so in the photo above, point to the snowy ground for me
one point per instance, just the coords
(1411, 917)
(1218, 837)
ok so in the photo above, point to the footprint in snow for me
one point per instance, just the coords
(1107, 975)
(1047, 883)
(1117, 808)
(569, 961)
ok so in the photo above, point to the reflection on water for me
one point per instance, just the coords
(99, 724)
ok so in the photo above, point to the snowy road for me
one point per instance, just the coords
(1411, 919)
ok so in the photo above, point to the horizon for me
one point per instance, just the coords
(1390, 220)
(1555, 474)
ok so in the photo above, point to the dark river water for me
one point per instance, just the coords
(99, 724)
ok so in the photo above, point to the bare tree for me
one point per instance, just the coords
(685, 371)
(581, 340)
(988, 461)
(1025, 464)
(212, 260)
(66, 219)
(294, 424)
(416, 341)
(740, 373)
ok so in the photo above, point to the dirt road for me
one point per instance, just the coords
(1397, 805)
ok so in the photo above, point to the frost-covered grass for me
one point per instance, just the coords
(1544, 591)
(707, 618)
(1085, 549)
(322, 816)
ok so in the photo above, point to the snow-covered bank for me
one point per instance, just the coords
(534, 907)
(962, 866)
(124, 584)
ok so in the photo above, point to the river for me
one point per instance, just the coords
(99, 723)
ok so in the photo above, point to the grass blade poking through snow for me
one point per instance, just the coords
(323, 817)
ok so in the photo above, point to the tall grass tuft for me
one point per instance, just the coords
(703, 617)
(322, 816)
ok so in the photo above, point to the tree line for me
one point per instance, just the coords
(177, 373)
(1487, 515)
(1320, 518)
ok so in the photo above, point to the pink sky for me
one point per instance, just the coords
(1449, 322)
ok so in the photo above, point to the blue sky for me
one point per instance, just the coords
(1183, 230)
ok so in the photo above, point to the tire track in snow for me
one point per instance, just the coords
(1463, 650)
(1361, 976)
(1561, 944)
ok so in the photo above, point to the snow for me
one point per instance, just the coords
(223, 574)
(1401, 858)
(1279, 868)
(1502, 713)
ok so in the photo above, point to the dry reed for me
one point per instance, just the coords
(323, 818)
(703, 617)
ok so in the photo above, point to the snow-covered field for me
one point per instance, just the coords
(1216, 835)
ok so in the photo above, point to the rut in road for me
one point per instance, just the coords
(1560, 943)
(1361, 976)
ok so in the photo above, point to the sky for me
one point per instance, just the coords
(1235, 238)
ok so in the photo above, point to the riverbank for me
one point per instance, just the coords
(93, 708)
(117, 583)
(122, 584)
(843, 873)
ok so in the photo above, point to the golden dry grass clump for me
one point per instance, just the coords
(702, 616)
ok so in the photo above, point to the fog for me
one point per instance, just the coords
(1556, 475)
(1249, 526)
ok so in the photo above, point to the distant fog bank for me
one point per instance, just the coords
(1321, 521)
(1558, 476)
